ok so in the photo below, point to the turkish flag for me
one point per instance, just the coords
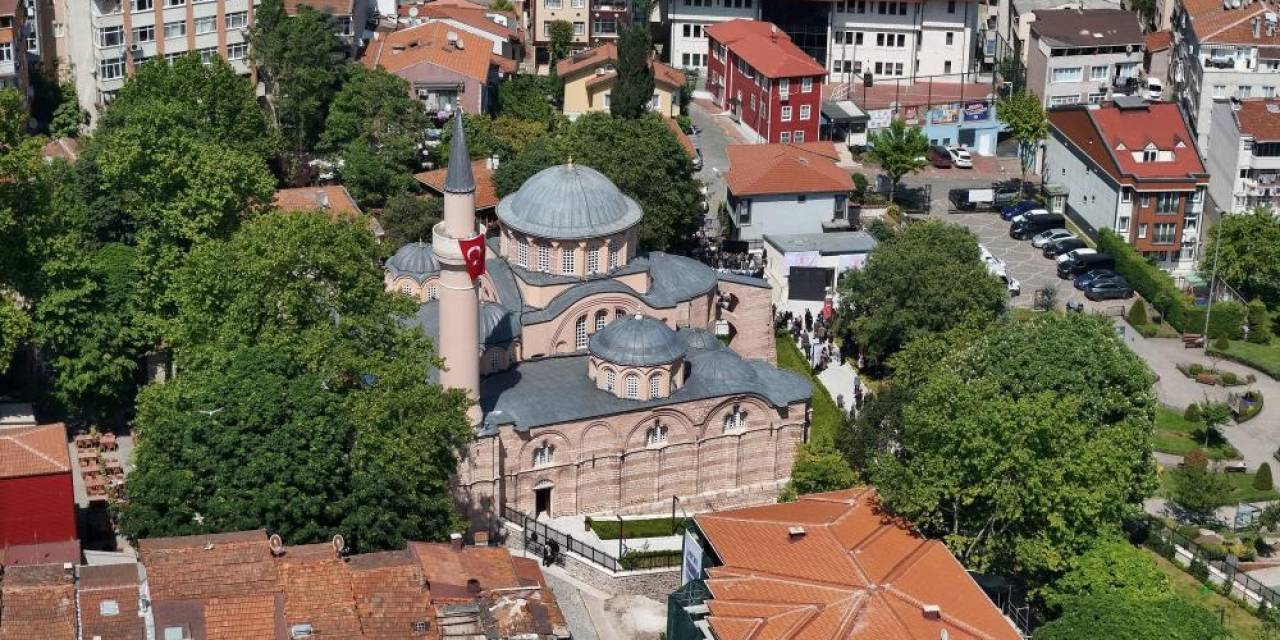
(473, 253)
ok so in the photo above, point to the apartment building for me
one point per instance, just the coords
(589, 77)
(1131, 167)
(13, 41)
(447, 69)
(595, 22)
(1244, 161)
(772, 89)
(1015, 17)
(501, 28)
(1223, 50)
(1083, 57)
(894, 39)
(689, 19)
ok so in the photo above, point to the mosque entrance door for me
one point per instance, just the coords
(541, 501)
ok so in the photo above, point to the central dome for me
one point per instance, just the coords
(637, 340)
(568, 202)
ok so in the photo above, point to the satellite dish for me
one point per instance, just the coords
(339, 544)
(277, 544)
(413, 12)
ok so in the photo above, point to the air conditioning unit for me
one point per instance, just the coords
(600, 71)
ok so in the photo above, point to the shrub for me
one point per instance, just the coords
(1138, 313)
(1189, 531)
(1259, 323)
(1222, 343)
(1227, 320)
(1195, 369)
(860, 185)
(1228, 378)
(1214, 551)
(1207, 378)
(1199, 569)
(1192, 414)
(1262, 479)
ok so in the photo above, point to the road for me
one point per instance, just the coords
(715, 137)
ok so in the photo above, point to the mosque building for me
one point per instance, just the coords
(606, 380)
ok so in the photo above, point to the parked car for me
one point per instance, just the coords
(973, 199)
(1030, 225)
(1017, 209)
(1060, 247)
(1108, 289)
(1155, 90)
(1072, 254)
(1081, 281)
(1028, 213)
(1081, 264)
(1011, 285)
(960, 157)
(1052, 235)
(939, 157)
(697, 160)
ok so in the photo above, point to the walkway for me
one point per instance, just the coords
(595, 615)
(574, 526)
(838, 379)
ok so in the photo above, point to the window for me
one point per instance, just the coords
(495, 359)
(1142, 230)
(1122, 224)
(544, 258)
(857, 38)
(880, 39)
(655, 103)
(744, 208)
(1167, 202)
(238, 51)
(657, 434)
(1067, 74)
(432, 293)
(6, 52)
(593, 260)
(786, 114)
(1244, 91)
(577, 4)
(602, 318)
(805, 111)
(111, 36)
(170, 58)
(798, 138)
(1268, 91)
(1098, 73)
(580, 333)
(1097, 98)
(207, 24)
(610, 379)
(522, 255)
(1149, 155)
(615, 258)
(655, 388)
(141, 5)
(144, 34)
(1058, 101)
(566, 261)
(579, 28)
(169, 4)
(1188, 250)
(175, 29)
(604, 26)
(951, 38)
(237, 20)
(951, 6)
(946, 67)
(108, 608)
(784, 86)
(207, 54)
(543, 455)
(1220, 91)
(633, 386)
(1126, 195)
(111, 68)
(883, 8)
(736, 420)
(784, 137)
(618, 313)
(1163, 233)
(806, 85)
(553, 4)
(902, 40)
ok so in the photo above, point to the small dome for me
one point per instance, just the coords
(414, 259)
(568, 202)
(721, 369)
(700, 339)
(637, 341)
(497, 324)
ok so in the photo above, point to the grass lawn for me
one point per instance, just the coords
(1241, 489)
(1239, 621)
(649, 528)
(827, 419)
(1263, 357)
(1177, 436)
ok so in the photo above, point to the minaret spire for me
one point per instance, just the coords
(458, 178)
(459, 344)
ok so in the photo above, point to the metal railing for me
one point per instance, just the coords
(1166, 541)
(537, 535)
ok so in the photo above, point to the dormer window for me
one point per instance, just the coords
(1149, 154)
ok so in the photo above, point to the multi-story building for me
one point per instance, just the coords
(772, 89)
(1244, 161)
(1079, 57)
(1223, 51)
(37, 501)
(1131, 167)
(901, 39)
(447, 68)
(589, 76)
(690, 18)
(595, 22)
(1015, 17)
(785, 189)
(13, 47)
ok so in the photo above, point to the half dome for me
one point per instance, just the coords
(413, 259)
(636, 340)
(568, 202)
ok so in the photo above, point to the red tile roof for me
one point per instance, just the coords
(240, 616)
(1109, 135)
(317, 592)
(209, 566)
(467, 13)
(486, 192)
(762, 169)
(65, 148)
(1157, 41)
(333, 198)
(1215, 24)
(41, 553)
(608, 53)
(39, 604)
(391, 594)
(854, 572)
(766, 48)
(33, 451)
(429, 44)
(107, 588)
(1259, 118)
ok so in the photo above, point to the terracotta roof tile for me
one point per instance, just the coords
(317, 591)
(58, 552)
(390, 596)
(1260, 118)
(109, 602)
(332, 198)
(1157, 41)
(853, 573)
(39, 604)
(486, 192)
(1214, 24)
(760, 169)
(429, 44)
(65, 148)
(465, 13)
(333, 7)
(209, 566)
(1101, 132)
(31, 451)
(240, 616)
(766, 48)
(608, 52)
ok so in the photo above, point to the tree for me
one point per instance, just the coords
(1009, 430)
(817, 468)
(1107, 618)
(1023, 114)
(1113, 569)
(928, 278)
(501, 5)
(504, 137)
(633, 89)
(15, 328)
(1138, 314)
(373, 175)
(559, 39)
(1262, 479)
(1259, 322)
(526, 96)
(68, 116)
(1196, 488)
(13, 118)
(1146, 10)
(1213, 415)
(409, 218)
(374, 107)
(877, 427)
(1244, 251)
(303, 407)
(899, 150)
(299, 58)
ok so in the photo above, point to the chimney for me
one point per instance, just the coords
(931, 612)
(795, 533)
(481, 538)
(455, 540)
(322, 199)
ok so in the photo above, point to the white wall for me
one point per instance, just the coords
(680, 14)
(783, 215)
(1225, 159)
(1090, 193)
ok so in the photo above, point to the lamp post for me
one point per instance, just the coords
(622, 535)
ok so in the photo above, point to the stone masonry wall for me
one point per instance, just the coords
(651, 583)
(752, 318)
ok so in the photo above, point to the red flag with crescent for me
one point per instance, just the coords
(473, 253)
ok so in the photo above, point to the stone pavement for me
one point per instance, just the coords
(595, 615)
(838, 379)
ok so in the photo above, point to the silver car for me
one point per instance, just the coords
(1052, 235)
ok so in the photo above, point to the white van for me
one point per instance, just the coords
(1155, 90)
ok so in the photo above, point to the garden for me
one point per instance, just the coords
(628, 529)
(1179, 433)
(1212, 376)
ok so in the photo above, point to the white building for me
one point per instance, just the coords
(688, 19)
(901, 39)
(803, 270)
(1244, 161)
(785, 189)
(1079, 57)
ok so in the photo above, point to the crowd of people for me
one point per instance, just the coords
(814, 336)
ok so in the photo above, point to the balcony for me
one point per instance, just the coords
(103, 8)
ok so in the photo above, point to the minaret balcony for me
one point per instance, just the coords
(446, 248)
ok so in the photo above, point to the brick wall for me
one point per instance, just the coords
(752, 317)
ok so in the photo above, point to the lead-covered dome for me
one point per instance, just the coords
(568, 202)
(636, 340)
(414, 259)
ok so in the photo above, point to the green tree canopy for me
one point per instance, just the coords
(926, 279)
(1119, 618)
(409, 218)
(1113, 569)
(560, 38)
(1023, 114)
(633, 89)
(899, 150)
(526, 96)
(300, 60)
(504, 137)
(1196, 488)
(374, 107)
(1244, 251)
(818, 467)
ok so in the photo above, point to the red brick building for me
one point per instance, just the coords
(37, 502)
(767, 82)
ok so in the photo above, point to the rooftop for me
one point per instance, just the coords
(569, 201)
(486, 193)
(1157, 41)
(608, 53)
(34, 450)
(1214, 23)
(331, 198)
(1033, 6)
(764, 169)
(61, 148)
(834, 565)
(1110, 136)
(468, 13)
(333, 7)
(637, 340)
(39, 603)
(434, 43)
(827, 244)
(766, 48)
(1259, 118)
(1093, 28)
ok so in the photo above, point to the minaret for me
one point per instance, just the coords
(459, 343)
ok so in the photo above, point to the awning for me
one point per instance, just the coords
(843, 111)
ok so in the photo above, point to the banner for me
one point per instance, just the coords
(692, 565)
(473, 253)
(911, 115)
(879, 118)
(976, 111)
(946, 114)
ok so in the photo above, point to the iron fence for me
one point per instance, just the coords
(1165, 540)
(537, 535)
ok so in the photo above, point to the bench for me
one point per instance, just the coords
(1192, 340)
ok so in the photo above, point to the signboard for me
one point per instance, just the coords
(911, 115)
(976, 111)
(691, 568)
(946, 114)
(879, 118)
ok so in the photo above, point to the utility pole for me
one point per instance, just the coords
(1213, 277)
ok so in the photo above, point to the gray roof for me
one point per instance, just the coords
(415, 260)
(567, 202)
(550, 391)
(700, 339)
(673, 279)
(844, 111)
(1092, 28)
(497, 324)
(637, 340)
(458, 177)
(738, 278)
(829, 244)
(1024, 7)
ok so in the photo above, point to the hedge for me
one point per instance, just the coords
(1177, 308)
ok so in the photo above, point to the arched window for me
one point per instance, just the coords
(432, 293)
(613, 260)
(543, 455)
(602, 318)
(655, 386)
(736, 420)
(495, 359)
(656, 435)
(633, 386)
(610, 379)
(593, 260)
(580, 333)
(566, 261)
(544, 258)
(618, 313)
(522, 254)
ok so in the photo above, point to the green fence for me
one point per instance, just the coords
(680, 623)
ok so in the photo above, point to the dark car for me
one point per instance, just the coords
(1053, 249)
(939, 157)
(1017, 209)
(1108, 289)
(1031, 225)
(1085, 263)
(1081, 281)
